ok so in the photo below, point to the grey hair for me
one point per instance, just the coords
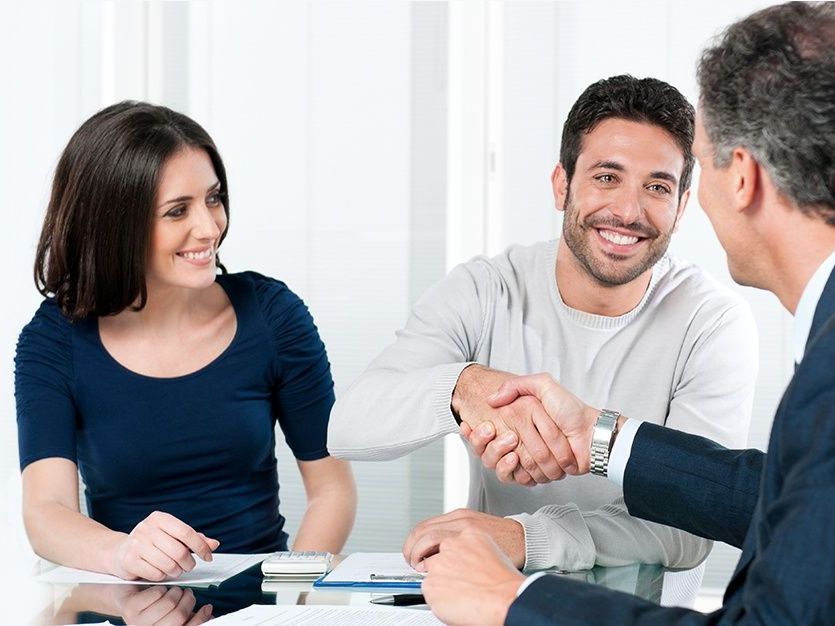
(768, 85)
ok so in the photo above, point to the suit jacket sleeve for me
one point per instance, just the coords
(788, 577)
(553, 600)
(682, 480)
(672, 478)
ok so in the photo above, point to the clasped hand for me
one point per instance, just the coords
(529, 429)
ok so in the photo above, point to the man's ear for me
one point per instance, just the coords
(745, 178)
(682, 204)
(559, 183)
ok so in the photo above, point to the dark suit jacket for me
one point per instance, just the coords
(779, 507)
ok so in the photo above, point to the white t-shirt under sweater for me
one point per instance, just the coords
(685, 357)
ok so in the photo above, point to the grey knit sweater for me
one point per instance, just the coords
(685, 357)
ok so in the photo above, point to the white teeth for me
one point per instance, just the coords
(198, 256)
(617, 238)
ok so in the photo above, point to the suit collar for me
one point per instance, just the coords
(824, 309)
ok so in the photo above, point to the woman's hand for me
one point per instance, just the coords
(160, 547)
(156, 605)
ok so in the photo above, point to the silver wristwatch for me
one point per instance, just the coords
(601, 442)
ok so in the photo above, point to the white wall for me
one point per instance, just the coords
(346, 180)
(45, 94)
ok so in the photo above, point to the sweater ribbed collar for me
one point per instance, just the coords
(590, 320)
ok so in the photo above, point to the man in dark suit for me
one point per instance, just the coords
(765, 140)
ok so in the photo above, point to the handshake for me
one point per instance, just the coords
(528, 428)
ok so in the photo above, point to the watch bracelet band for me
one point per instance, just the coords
(603, 437)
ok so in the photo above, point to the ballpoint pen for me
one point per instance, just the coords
(401, 599)
(398, 578)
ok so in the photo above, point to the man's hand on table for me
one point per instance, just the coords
(470, 581)
(425, 538)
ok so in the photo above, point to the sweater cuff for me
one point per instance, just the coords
(537, 543)
(447, 378)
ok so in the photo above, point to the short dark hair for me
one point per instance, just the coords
(94, 242)
(646, 100)
(768, 85)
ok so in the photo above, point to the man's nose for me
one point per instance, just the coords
(627, 206)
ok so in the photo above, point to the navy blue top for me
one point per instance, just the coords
(201, 446)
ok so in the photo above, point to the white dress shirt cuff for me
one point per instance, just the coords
(619, 456)
(528, 581)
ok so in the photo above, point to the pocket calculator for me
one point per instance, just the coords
(295, 563)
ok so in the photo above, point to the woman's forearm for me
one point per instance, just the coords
(331, 505)
(326, 525)
(64, 536)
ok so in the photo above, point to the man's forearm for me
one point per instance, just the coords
(565, 537)
(388, 413)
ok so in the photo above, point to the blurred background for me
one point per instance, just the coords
(370, 145)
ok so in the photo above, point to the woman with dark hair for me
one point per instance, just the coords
(157, 377)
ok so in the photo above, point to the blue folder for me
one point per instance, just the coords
(357, 572)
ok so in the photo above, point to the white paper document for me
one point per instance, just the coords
(222, 567)
(300, 615)
(372, 568)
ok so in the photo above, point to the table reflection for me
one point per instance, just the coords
(189, 606)
(140, 605)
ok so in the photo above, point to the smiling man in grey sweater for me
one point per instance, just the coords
(606, 311)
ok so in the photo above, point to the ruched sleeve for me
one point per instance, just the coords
(46, 412)
(303, 393)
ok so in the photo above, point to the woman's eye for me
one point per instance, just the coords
(178, 211)
(214, 199)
